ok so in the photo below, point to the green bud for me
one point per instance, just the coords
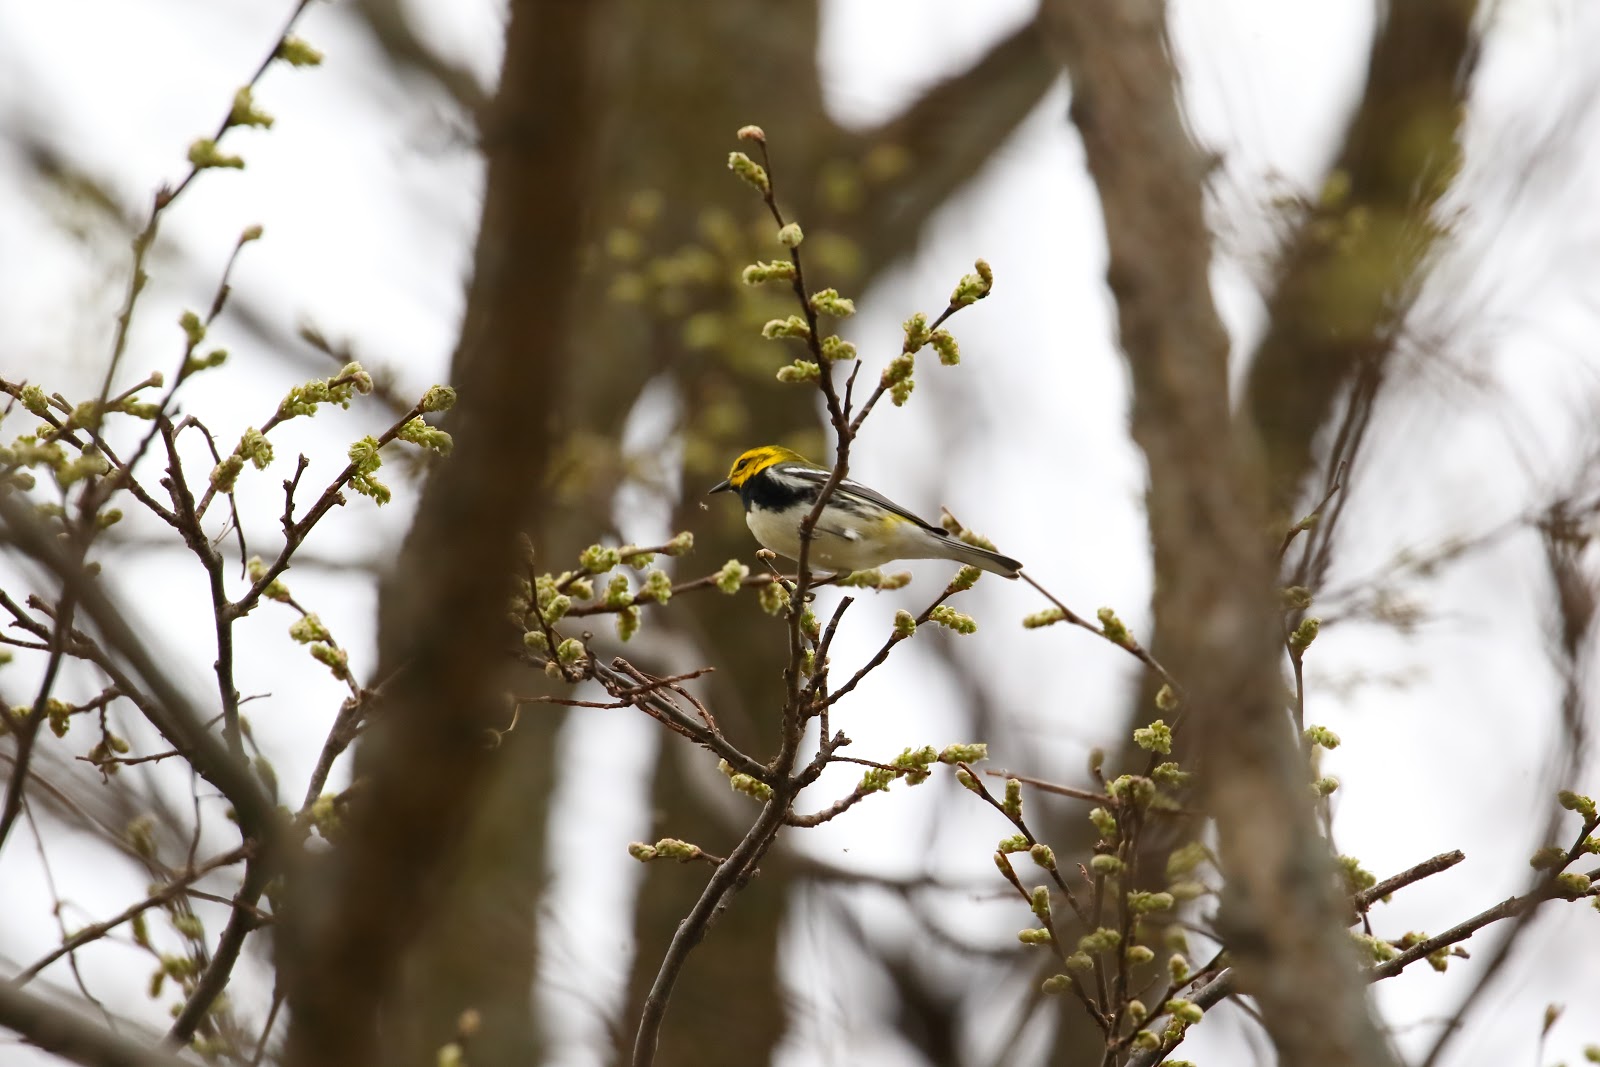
(1040, 902)
(916, 331)
(1038, 936)
(965, 579)
(438, 398)
(1572, 884)
(1182, 861)
(309, 628)
(875, 579)
(973, 287)
(569, 652)
(1304, 634)
(618, 592)
(1141, 791)
(275, 590)
(1324, 786)
(194, 330)
(336, 660)
(1187, 891)
(34, 400)
(900, 392)
(245, 112)
(203, 155)
(1166, 699)
(364, 454)
(1105, 865)
(876, 780)
(535, 641)
(793, 326)
(835, 350)
(1140, 902)
(1356, 877)
(1138, 955)
(750, 787)
(672, 848)
(1377, 948)
(1104, 939)
(681, 544)
(1146, 1041)
(801, 370)
(1548, 858)
(773, 598)
(905, 624)
(1157, 737)
(1112, 628)
(255, 447)
(1178, 968)
(628, 623)
(599, 559)
(297, 53)
(1577, 802)
(1079, 961)
(1296, 597)
(1170, 774)
(420, 433)
(954, 754)
(1014, 843)
(1104, 822)
(749, 170)
(731, 577)
(1185, 1011)
(945, 345)
(778, 270)
(1040, 619)
(790, 236)
(952, 619)
(829, 302)
(1013, 801)
(657, 587)
(1321, 737)
(1055, 984)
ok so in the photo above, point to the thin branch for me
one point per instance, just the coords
(181, 881)
(76, 1038)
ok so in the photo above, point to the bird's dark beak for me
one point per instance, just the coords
(721, 487)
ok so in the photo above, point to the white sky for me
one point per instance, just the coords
(360, 187)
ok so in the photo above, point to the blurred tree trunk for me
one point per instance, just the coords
(424, 769)
(1348, 274)
(678, 81)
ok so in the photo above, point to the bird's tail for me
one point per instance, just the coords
(982, 558)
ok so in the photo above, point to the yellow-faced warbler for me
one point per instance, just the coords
(858, 528)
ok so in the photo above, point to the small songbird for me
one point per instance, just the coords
(858, 528)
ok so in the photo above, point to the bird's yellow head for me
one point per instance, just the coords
(755, 461)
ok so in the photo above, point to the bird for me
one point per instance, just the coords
(859, 528)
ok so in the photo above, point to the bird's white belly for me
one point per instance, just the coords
(844, 549)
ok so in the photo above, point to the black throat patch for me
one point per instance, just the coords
(772, 494)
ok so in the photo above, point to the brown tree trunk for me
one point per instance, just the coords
(425, 763)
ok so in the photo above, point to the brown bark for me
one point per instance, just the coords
(1207, 507)
(442, 618)
(677, 82)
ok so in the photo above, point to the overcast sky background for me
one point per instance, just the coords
(367, 189)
